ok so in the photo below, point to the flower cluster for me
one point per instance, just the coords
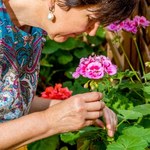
(95, 67)
(56, 92)
(129, 25)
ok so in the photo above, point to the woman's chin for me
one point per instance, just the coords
(60, 39)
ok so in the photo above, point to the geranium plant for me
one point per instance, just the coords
(126, 92)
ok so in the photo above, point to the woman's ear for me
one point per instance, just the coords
(51, 5)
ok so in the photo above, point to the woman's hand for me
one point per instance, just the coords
(75, 113)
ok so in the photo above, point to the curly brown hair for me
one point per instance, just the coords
(106, 11)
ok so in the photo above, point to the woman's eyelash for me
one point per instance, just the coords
(91, 18)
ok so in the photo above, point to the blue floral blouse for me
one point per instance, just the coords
(19, 67)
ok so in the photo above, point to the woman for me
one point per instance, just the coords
(22, 23)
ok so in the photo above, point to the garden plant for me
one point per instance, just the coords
(81, 65)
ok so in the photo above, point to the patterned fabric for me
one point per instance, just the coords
(19, 67)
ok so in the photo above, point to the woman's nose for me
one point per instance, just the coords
(91, 31)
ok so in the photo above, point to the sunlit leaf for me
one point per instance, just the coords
(50, 143)
(130, 114)
(147, 76)
(70, 137)
(143, 109)
(138, 132)
(126, 142)
(101, 32)
(146, 94)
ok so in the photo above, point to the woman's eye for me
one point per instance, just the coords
(92, 19)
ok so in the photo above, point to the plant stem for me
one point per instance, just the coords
(139, 120)
(139, 55)
(120, 122)
(129, 62)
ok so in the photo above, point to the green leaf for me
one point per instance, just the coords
(50, 47)
(130, 114)
(70, 137)
(138, 132)
(79, 53)
(78, 88)
(129, 73)
(45, 63)
(126, 142)
(67, 84)
(101, 32)
(146, 90)
(85, 145)
(64, 59)
(130, 85)
(70, 44)
(147, 76)
(68, 73)
(50, 143)
(94, 40)
(143, 109)
(64, 148)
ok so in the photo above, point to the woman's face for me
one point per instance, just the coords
(71, 23)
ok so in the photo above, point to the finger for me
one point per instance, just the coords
(99, 123)
(110, 133)
(114, 120)
(91, 96)
(107, 118)
(110, 121)
(94, 115)
(93, 106)
(89, 122)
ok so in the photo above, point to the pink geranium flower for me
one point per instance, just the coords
(94, 70)
(95, 67)
(115, 27)
(129, 25)
(141, 21)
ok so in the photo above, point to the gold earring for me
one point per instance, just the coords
(51, 14)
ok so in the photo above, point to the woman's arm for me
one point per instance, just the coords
(70, 115)
(24, 130)
(40, 104)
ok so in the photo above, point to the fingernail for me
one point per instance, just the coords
(110, 133)
(109, 127)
